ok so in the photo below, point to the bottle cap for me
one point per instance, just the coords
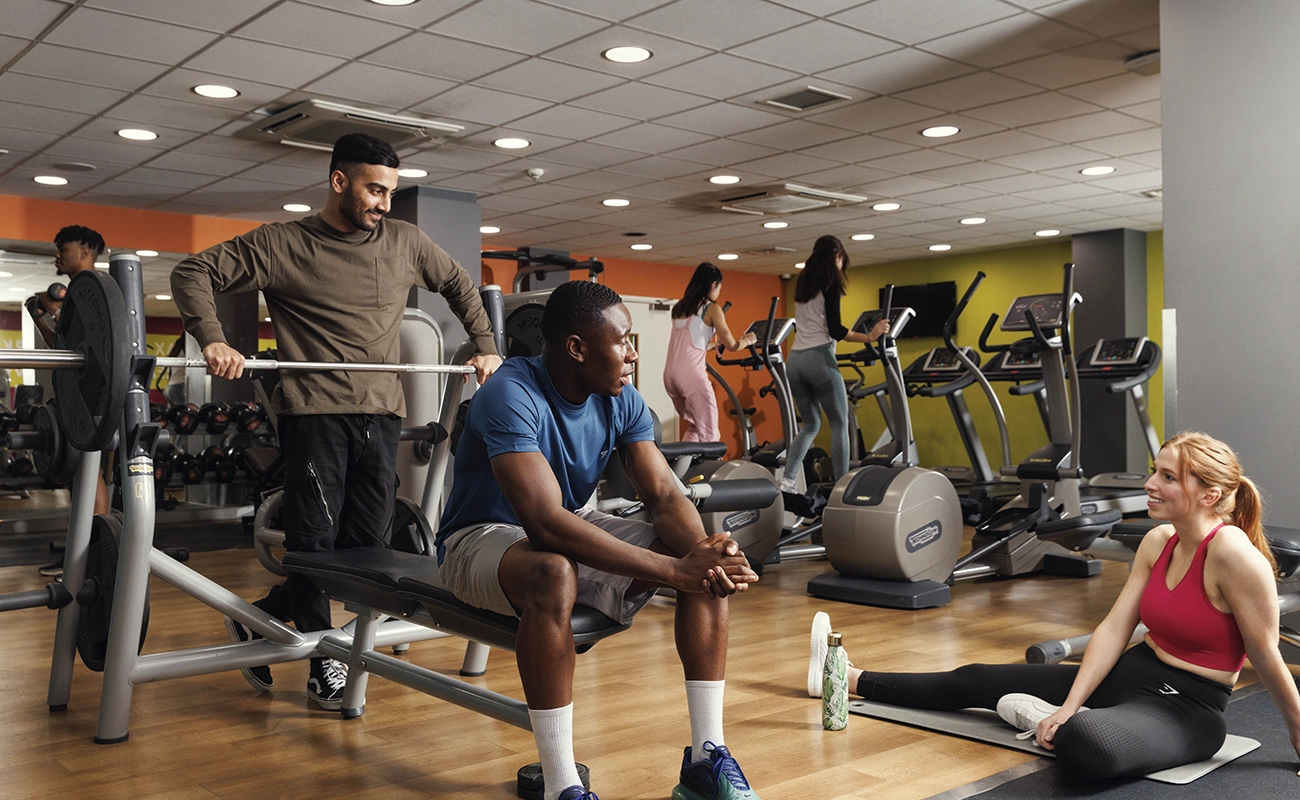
(833, 639)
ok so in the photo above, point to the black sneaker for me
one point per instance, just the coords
(258, 677)
(54, 570)
(325, 686)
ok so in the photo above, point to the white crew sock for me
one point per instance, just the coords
(553, 732)
(704, 704)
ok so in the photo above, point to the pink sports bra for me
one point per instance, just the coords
(1182, 620)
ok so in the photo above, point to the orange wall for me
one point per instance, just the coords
(750, 295)
(37, 220)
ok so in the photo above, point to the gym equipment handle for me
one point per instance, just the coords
(70, 359)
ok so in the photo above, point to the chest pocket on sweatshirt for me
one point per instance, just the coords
(392, 283)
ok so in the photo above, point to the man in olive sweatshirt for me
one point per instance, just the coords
(335, 284)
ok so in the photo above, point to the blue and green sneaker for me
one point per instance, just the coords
(717, 777)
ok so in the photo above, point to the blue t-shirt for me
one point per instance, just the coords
(519, 411)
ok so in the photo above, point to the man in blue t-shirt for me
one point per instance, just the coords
(516, 539)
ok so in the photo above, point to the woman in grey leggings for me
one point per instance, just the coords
(815, 380)
(1160, 703)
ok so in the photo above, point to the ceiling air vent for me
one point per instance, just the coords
(806, 98)
(317, 124)
(782, 198)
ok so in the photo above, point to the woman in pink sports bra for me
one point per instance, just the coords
(697, 317)
(1205, 585)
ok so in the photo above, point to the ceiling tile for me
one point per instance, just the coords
(595, 156)
(787, 165)
(597, 181)
(460, 158)
(641, 101)
(794, 135)
(571, 123)
(444, 57)
(416, 15)
(39, 118)
(94, 151)
(60, 94)
(1106, 17)
(520, 25)
(87, 66)
(1017, 183)
(1152, 159)
(857, 149)
(1125, 89)
(11, 46)
(651, 138)
(722, 119)
(998, 144)
(1145, 111)
(167, 176)
(845, 177)
(1141, 41)
(181, 161)
(15, 139)
(476, 104)
(27, 19)
(255, 61)
(969, 172)
(917, 161)
(656, 167)
(1057, 194)
(549, 80)
(191, 13)
(721, 76)
(1088, 126)
(723, 152)
(19, 182)
(1051, 158)
(719, 24)
(615, 12)
(969, 91)
(876, 114)
(1007, 40)
(994, 204)
(144, 111)
(128, 195)
(586, 52)
(951, 194)
(814, 47)
(911, 133)
(374, 86)
(1100, 59)
(505, 203)
(320, 30)
(143, 38)
(1032, 110)
(913, 21)
(1125, 143)
(900, 186)
(1133, 182)
(897, 71)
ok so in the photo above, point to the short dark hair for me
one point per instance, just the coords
(362, 148)
(81, 235)
(574, 307)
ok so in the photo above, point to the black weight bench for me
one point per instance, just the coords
(375, 583)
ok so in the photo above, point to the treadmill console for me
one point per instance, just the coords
(1046, 309)
(1016, 361)
(1117, 352)
(941, 359)
(898, 319)
(781, 329)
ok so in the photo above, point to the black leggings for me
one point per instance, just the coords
(1143, 717)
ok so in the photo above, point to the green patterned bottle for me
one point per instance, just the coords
(835, 686)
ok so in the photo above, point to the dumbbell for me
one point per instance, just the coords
(164, 467)
(158, 414)
(215, 418)
(248, 417)
(185, 418)
(192, 470)
(220, 464)
(20, 467)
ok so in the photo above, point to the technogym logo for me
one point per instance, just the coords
(740, 519)
(924, 535)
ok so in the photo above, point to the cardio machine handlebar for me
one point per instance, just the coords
(950, 327)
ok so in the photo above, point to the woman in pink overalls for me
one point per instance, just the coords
(696, 319)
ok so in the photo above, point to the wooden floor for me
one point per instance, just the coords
(212, 736)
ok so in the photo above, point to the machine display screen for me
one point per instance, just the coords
(898, 319)
(1021, 361)
(782, 327)
(1117, 352)
(1046, 309)
(942, 360)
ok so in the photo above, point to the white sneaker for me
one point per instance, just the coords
(821, 626)
(1024, 711)
(787, 485)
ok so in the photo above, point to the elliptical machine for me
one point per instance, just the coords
(894, 535)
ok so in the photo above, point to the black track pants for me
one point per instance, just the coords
(1143, 717)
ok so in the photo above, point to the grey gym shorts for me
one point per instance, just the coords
(473, 559)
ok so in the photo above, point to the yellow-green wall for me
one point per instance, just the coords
(1009, 273)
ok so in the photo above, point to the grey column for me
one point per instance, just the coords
(451, 219)
(1232, 242)
(1111, 274)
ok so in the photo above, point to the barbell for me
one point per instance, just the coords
(94, 359)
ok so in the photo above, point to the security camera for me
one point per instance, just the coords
(785, 276)
(536, 173)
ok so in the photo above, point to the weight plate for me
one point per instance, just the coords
(524, 331)
(52, 463)
(101, 566)
(410, 532)
(93, 322)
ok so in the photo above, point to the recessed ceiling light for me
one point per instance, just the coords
(162, 297)
(940, 131)
(386, 3)
(627, 55)
(266, 319)
(17, 289)
(724, 180)
(799, 265)
(101, 265)
(615, 202)
(137, 134)
(146, 253)
(297, 208)
(489, 229)
(412, 172)
(1048, 232)
(775, 225)
(862, 237)
(50, 180)
(4, 274)
(512, 143)
(1101, 170)
(728, 257)
(939, 248)
(216, 91)
(885, 206)
(974, 221)
(642, 247)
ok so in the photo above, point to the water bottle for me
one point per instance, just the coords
(835, 686)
